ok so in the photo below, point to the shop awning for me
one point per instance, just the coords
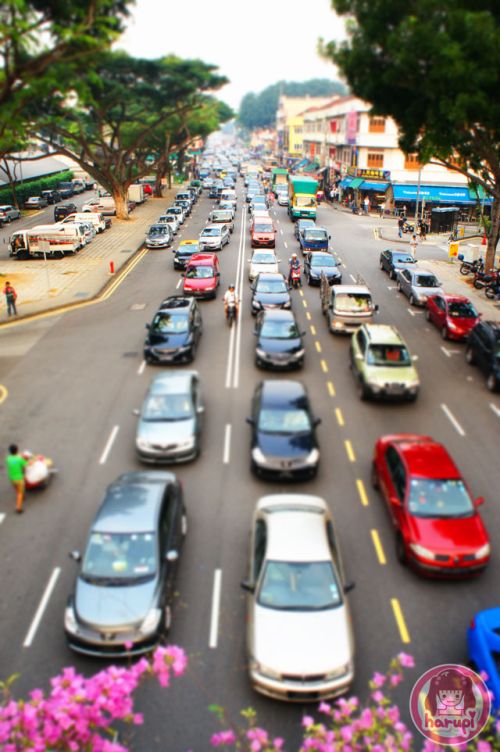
(477, 192)
(441, 194)
(345, 182)
(356, 183)
(373, 185)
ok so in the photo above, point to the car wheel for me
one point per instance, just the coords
(382, 265)
(444, 333)
(427, 314)
(392, 274)
(413, 301)
(398, 286)
(469, 355)
(374, 477)
(492, 383)
(362, 389)
(400, 549)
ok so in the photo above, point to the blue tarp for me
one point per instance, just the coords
(345, 182)
(437, 193)
(371, 185)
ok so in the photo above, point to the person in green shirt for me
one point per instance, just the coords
(15, 464)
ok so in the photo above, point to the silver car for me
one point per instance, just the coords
(171, 220)
(8, 213)
(262, 261)
(169, 425)
(299, 633)
(417, 285)
(214, 237)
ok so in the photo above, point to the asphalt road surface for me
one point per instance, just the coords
(73, 382)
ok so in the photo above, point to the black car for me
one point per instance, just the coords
(284, 445)
(483, 350)
(62, 211)
(279, 341)
(183, 254)
(318, 262)
(301, 224)
(269, 290)
(174, 334)
(121, 600)
(52, 197)
(391, 261)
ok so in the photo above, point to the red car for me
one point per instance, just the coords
(454, 315)
(202, 275)
(262, 233)
(438, 529)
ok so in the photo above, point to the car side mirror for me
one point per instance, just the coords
(394, 500)
(316, 421)
(248, 586)
(217, 274)
(250, 421)
(148, 326)
(349, 586)
(359, 356)
(75, 555)
(172, 555)
(256, 332)
(303, 334)
(183, 274)
(376, 308)
(135, 411)
(414, 358)
(479, 501)
(200, 409)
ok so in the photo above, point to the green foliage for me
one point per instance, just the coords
(33, 187)
(259, 110)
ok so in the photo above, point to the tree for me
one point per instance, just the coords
(434, 67)
(39, 39)
(108, 125)
(259, 110)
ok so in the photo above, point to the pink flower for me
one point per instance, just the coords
(406, 660)
(346, 733)
(378, 696)
(378, 679)
(325, 707)
(307, 721)
(223, 737)
(483, 746)
(396, 679)
(128, 645)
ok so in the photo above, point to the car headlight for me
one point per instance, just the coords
(142, 443)
(260, 353)
(70, 623)
(288, 304)
(259, 668)
(259, 456)
(186, 444)
(313, 457)
(299, 353)
(482, 552)
(421, 551)
(347, 668)
(151, 622)
(413, 384)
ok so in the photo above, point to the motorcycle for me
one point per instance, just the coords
(471, 267)
(38, 472)
(231, 313)
(482, 280)
(295, 278)
(407, 227)
(492, 290)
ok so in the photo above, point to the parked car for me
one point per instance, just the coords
(262, 262)
(202, 276)
(269, 291)
(283, 444)
(279, 341)
(454, 315)
(159, 236)
(417, 285)
(301, 224)
(178, 211)
(64, 210)
(184, 204)
(317, 263)
(35, 202)
(174, 334)
(214, 237)
(483, 350)
(183, 254)
(121, 602)
(169, 425)
(66, 189)
(393, 261)
(171, 220)
(482, 643)
(52, 197)
(300, 641)
(8, 213)
(439, 531)
(382, 365)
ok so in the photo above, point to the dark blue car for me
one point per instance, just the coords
(314, 239)
(483, 641)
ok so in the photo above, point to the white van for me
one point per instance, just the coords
(70, 230)
(228, 194)
(94, 217)
(84, 229)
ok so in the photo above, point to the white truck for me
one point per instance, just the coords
(103, 204)
(136, 193)
(40, 242)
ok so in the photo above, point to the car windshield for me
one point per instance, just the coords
(303, 223)
(119, 556)
(168, 218)
(263, 258)
(157, 231)
(388, 355)
(263, 228)
(170, 323)
(168, 407)
(402, 258)
(351, 302)
(284, 421)
(314, 234)
(175, 210)
(461, 309)
(439, 498)
(200, 272)
(322, 260)
(271, 285)
(188, 249)
(279, 329)
(210, 232)
(425, 280)
(299, 586)
(305, 201)
(221, 216)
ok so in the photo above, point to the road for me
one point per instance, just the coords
(72, 384)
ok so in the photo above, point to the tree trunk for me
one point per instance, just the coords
(161, 171)
(121, 201)
(493, 235)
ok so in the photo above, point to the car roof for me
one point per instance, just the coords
(203, 259)
(351, 289)
(295, 527)
(452, 298)
(383, 334)
(172, 382)
(132, 502)
(427, 458)
(270, 275)
(282, 392)
(176, 302)
(189, 242)
(212, 227)
(278, 314)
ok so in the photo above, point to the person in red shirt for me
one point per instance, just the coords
(10, 297)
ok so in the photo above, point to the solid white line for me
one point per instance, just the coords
(2, 517)
(109, 444)
(239, 287)
(286, 244)
(239, 293)
(445, 351)
(227, 444)
(495, 409)
(179, 283)
(41, 608)
(281, 230)
(352, 277)
(214, 619)
(452, 419)
(141, 368)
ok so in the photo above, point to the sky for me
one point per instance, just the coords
(254, 43)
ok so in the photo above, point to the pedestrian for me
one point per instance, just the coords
(422, 229)
(381, 209)
(414, 243)
(10, 297)
(401, 224)
(15, 464)
(366, 204)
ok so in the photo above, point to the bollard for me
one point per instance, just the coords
(111, 267)
(483, 241)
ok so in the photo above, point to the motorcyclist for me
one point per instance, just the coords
(293, 264)
(231, 298)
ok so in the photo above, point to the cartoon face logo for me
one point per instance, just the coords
(450, 704)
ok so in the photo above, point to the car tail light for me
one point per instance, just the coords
(473, 623)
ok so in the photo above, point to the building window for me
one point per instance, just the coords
(377, 124)
(411, 162)
(297, 147)
(333, 126)
(375, 159)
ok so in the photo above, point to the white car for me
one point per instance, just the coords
(299, 633)
(282, 198)
(262, 261)
(214, 237)
(171, 220)
(178, 211)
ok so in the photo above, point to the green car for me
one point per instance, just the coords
(382, 364)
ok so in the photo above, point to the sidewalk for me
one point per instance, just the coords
(45, 285)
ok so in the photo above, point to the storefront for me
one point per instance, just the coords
(467, 199)
(376, 192)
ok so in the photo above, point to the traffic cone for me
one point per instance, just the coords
(483, 241)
